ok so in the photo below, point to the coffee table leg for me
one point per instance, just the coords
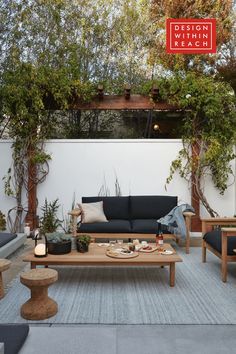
(172, 274)
(33, 265)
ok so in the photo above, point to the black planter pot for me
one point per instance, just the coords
(81, 247)
(59, 248)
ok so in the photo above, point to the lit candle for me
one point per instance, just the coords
(40, 250)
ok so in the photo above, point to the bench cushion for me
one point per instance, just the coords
(114, 207)
(145, 226)
(112, 226)
(151, 207)
(213, 238)
(13, 337)
(6, 237)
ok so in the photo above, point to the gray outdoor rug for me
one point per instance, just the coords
(136, 295)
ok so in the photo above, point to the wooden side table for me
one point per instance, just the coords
(4, 265)
(40, 306)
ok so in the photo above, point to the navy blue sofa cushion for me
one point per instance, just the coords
(114, 207)
(13, 337)
(112, 226)
(213, 238)
(145, 226)
(6, 237)
(151, 207)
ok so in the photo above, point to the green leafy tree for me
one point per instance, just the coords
(209, 132)
(223, 11)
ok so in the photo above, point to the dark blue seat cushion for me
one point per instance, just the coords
(145, 226)
(114, 207)
(13, 337)
(213, 238)
(112, 226)
(151, 207)
(6, 237)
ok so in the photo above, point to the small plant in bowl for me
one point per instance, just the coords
(58, 243)
(82, 243)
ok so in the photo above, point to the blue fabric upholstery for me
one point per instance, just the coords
(114, 207)
(6, 237)
(145, 226)
(151, 207)
(112, 226)
(213, 238)
(13, 337)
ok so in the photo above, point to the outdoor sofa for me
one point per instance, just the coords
(131, 217)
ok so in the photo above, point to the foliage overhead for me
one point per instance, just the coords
(162, 9)
(209, 132)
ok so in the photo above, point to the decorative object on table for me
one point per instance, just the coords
(49, 222)
(40, 306)
(136, 242)
(82, 243)
(148, 249)
(131, 247)
(58, 243)
(2, 222)
(27, 230)
(4, 265)
(41, 249)
(75, 213)
(121, 254)
(166, 252)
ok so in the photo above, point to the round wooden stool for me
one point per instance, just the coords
(40, 306)
(4, 265)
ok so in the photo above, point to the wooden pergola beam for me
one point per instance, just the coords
(118, 102)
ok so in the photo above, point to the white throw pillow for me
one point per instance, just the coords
(92, 212)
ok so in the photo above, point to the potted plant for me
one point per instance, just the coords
(82, 243)
(49, 221)
(58, 243)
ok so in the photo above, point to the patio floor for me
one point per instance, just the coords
(164, 339)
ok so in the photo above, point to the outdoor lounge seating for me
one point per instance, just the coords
(13, 336)
(10, 242)
(220, 241)
(132, 216)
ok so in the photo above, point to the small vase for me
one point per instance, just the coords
(81, 247)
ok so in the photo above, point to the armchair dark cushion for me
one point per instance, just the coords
(112, 226)
(213, 238)
(151, 207)
(6, 237)
(13, 337)
(145, 226)
(114, 207)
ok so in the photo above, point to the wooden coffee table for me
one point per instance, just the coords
(97, 257)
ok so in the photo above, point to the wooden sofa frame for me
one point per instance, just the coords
(207, 226)
(75, 213)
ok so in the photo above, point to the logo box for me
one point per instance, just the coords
(190, 36)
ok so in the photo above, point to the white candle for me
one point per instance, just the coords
(27, 230)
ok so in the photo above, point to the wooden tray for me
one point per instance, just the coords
(121, 256)
(148, 251)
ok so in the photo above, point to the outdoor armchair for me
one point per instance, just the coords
(219, 240)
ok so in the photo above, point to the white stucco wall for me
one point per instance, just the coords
(141, 166)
